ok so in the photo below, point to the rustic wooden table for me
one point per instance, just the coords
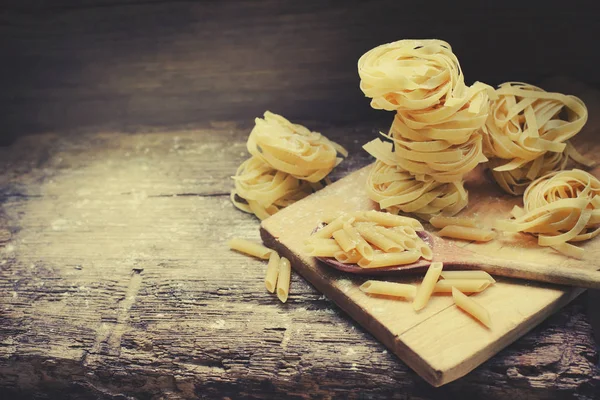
(115, 278)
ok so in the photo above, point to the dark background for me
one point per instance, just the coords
(81, 65)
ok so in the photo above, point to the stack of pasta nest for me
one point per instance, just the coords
(288, 163)
(526, 134)
(435, 139)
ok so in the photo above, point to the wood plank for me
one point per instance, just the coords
(108, 293)
(128, 65)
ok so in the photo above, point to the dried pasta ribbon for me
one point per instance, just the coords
(262, 190)
(525, 122)
(411, 75)
(448, 164)
(293, 149)
(516, 181)
(397, 190)
(559, 207)
(288, 163)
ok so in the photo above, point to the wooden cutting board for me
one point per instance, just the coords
(441, 343)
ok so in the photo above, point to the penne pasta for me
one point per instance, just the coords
(283, 281)
(389, 289)
(361, 244)
(272, 272)
(351, 257)
(335, 225)
(250, 248)
(427, 285)
(327, 249)
(344, 240)
(389, 259)
(471, 307)
(464, 285)
(425, 250)
(467, 233)
(399, 238)
(372, 236)
(440, 221)
(387, 219)
(479, 275)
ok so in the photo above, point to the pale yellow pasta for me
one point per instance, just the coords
(440, 221)
(427, 285)
(250, 248)
(411, 74)
(467, 233)
(351, 257)
(371, 239)
(525, 122)
(425, 251)
(344, 240)
(335, 225)
(400, 238)
(448, 165)
(559, 207)
(471, 307)
(464, 285)
(389, 289)
(293, 149)
(569, 250)
(407, 230)
(322, 249)
(272, 272)
(462, 275)
(390, 259)
(283, 280)
(387, 219)
(396, 190)
(516, 180)
(362, 246)
(262, 190)
(371, 235)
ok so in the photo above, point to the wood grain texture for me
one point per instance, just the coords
(116, 283)
(128, 65)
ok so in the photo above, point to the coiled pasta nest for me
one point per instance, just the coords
(525, 122)
(560, 207)
(293, 149)
(397, 190)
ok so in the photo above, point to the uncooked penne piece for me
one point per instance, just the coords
(362, 246)
(400, 238)
(322, 249)
(427, 285)
(471, 307)
(467, 233)
(479, 275)
(377, 239)
(440, 221)
(464, 285)
(407, 230)
(250, 248)
(344, 240)
(352, 257)
(283, 281)
(425, 250)
(272, 272)
(387, 219)
(389, 289)
(389, 259)
(335, 225)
